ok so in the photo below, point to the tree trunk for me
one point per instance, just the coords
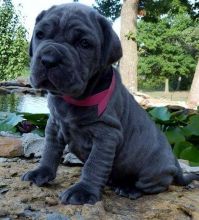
(128, 63)
(166, 88)
(193, 99)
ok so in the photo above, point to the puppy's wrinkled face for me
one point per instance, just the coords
(70, 44)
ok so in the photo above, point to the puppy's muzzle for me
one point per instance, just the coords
(50, 57)
(50, 61)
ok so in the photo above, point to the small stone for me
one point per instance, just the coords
(51, 202)
(188, 169)
(15, 159)
(3, 160)
(3, 213)
(14, 174)
(71, 159)
(56, 216)
(96, 210)
(5, 218)
(3, 189)
(10, 147)
(33, 145)
(25, 199)
(6, 165)
(8, 134)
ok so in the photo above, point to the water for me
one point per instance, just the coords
(23, 103)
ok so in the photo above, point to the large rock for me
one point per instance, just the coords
(10, 147)
(188, 169)
(21, 200)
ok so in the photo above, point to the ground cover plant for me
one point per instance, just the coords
(182, 130)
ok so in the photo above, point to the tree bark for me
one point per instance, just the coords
(166, 88)
(193, 99)
(128, 63)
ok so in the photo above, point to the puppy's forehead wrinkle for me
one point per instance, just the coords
(73, 8)
(69, 12)
(70, 21)
(76, 34)
(73, 16)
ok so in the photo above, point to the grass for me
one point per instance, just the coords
(171, 96)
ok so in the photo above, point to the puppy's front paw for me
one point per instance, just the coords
(80, 194)
(39, 176)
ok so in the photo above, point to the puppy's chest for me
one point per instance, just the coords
(79, 139)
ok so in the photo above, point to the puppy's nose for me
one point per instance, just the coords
(49, 61)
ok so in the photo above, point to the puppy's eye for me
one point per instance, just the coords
(40, 35)
(84, 44)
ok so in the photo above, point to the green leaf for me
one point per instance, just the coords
(11, 119)
(39, 120)
(175, 136)
(6, 127)
(193, 126)
(193, 164)
(194, 119)
(187, 132)
(181, 146)
(179, 116)
(160, 113)
(8, 121)
(14, 119)
(191, 154)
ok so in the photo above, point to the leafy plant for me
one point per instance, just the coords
(167, 49)
(13, 42)
(182, 130)
(37, 121)
(131, 36)
(23, 122)
(9, 121)
(109, 8)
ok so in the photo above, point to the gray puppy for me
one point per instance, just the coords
(72, 50)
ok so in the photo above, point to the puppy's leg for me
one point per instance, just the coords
(54, 146)
(95, 172)
(156, 184)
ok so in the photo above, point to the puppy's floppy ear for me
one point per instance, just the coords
(39, 17)
(111, 47)
(30, 48)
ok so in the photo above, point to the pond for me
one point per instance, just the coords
(23, 103)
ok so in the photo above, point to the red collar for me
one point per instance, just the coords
(100, 99)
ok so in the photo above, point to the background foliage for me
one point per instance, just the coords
(168, 41)
(13, 42)
(168, 44)
(109, 8)
(167, 49)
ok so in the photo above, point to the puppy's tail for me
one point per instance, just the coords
(184, 180)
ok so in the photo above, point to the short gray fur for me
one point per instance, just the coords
(72, 52)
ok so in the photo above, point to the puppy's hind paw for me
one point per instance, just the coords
(80, 194)
(132, 193)
(39, 176)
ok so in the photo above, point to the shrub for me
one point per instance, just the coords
(13, 42)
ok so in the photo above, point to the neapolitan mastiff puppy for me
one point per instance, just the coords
(72, 50)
